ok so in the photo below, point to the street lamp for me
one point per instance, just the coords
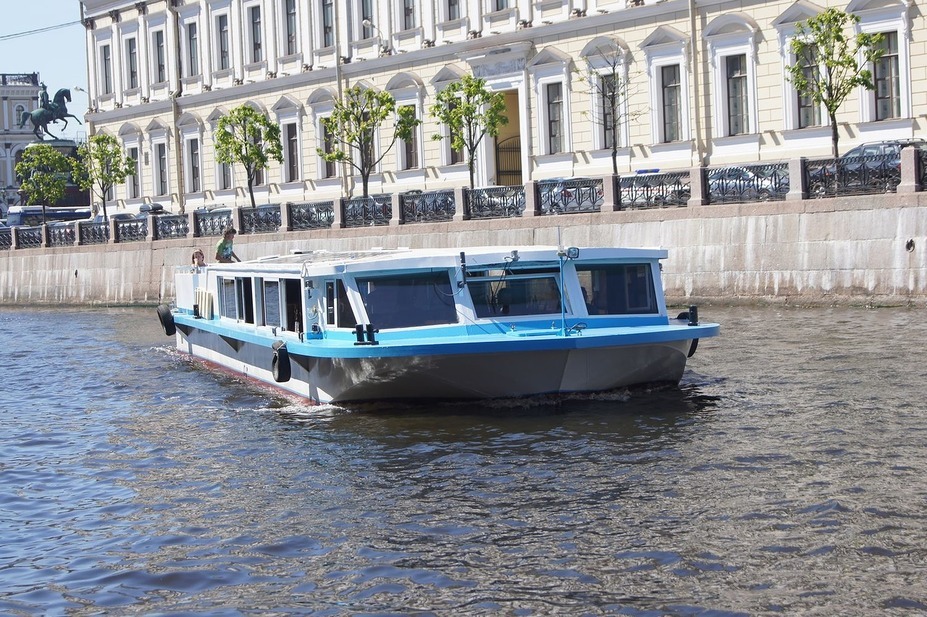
(384, 46)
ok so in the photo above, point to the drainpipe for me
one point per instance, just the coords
(87, 123)
(175, 107)
(693, 44)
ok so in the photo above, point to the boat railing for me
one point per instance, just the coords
(427, 206)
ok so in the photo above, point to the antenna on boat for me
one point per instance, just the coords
(463, 271)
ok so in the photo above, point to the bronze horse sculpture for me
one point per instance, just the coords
(43, 116)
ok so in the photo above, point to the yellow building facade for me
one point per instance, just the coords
(705, 82)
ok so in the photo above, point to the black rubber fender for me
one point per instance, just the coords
(693, 347)
(167, 320)
(280, 365)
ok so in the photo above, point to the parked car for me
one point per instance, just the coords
(743, 184)
(116, 216)
(873, 166)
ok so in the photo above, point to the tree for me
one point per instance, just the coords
(840, 62)
(100, 165)
(470, 111)
(609, 84)
(247, 137)
(353, 127)
(43, 172)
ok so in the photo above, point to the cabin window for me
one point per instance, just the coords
(405, 301)
(526, 292)
(618, 289)
(338, 311)
(271, 303)
(237, 299)
(228, 305)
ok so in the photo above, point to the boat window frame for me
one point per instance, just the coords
(596, 301)
(530, 307)
(413, 288)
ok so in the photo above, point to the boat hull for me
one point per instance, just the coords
(424, 377)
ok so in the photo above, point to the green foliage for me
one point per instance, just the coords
(354, 126)
(246, 137)
(43, 172)
(100, 165)
(823, 39)
(470, 111)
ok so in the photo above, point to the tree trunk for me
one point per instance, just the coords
(251, 187)
(833, 132)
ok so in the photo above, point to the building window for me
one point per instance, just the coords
(223, 61)
(809, 113)
(161, 168)
(554, 118)
(292, 42)
(106, 70)
(225, 176)
(886, 77)
(409, 148)
(254, 17)
(131, 63)
(608, 90)
(160, 68)
(737, 122)
(133, 179)
(291, 139)
(328, 23)
(408, 14)
(500, 5)
(193, 57)
(453, 10)
(366, 15)
(193, 151)
(672, 117)
(328, 146)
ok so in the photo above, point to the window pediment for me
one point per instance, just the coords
(664, 36)
(800, 11)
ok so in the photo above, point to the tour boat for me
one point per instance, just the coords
(437, 324)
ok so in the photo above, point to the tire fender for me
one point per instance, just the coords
(280, 365)
(167, 320)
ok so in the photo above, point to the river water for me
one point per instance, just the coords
(787, 475)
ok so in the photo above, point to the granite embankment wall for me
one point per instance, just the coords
(854, 250)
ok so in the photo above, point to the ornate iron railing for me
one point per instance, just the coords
(315, 215)
(862, 175)
(93, 233)
(132, 230)
(172, 226)
(6, 238)
(746, 183)
(261, 219)
(29, 237)
(655, 190)
(496, 202)
(62, 235)
(373, 210)
(427, 206)
(213, 222)
(568, 195)
(921, 167)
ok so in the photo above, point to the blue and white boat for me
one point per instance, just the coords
(437, 324)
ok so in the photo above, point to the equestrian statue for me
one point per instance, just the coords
(48, 112)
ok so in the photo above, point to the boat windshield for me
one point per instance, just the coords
(408, 300)
(618, 289)
(502, 293)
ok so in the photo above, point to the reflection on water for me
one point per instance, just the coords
(786, 475)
